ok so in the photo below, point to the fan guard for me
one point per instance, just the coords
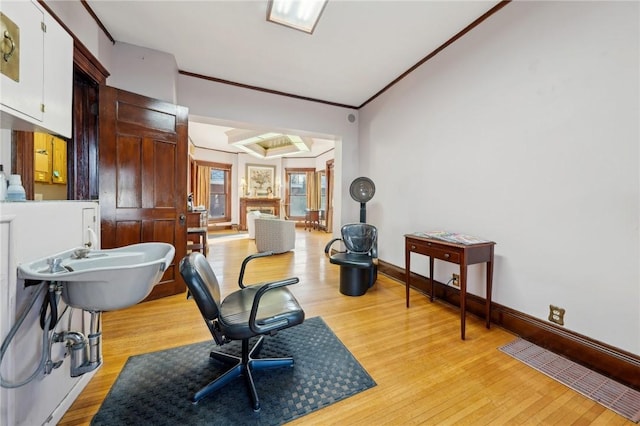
(362, 190)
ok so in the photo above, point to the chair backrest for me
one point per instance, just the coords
(359, 237)
(202, 283)
(276, 235)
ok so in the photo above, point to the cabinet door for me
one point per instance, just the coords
(58, 79)
(41, 98)
(59, 161)
(42, 157)
(25, 95)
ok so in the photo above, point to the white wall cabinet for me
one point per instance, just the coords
(41, 98)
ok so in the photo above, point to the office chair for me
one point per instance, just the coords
(253, 310)
(359, 263)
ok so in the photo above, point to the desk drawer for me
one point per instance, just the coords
(434, 250)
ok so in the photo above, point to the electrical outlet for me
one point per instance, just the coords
(455, 280)
(556, 315)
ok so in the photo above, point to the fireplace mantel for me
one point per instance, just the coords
(267, 205)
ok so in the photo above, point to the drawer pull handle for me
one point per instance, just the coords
(446, 255)
(6, 54)
(413, 247)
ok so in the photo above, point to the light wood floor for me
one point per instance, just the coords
(425, 374)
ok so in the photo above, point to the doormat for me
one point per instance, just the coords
(155, 388)
(610, 394)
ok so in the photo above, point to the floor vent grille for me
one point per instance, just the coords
(613, 395)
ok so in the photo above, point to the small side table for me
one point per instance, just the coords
(197, 240)
(460, 254)
(312, 219)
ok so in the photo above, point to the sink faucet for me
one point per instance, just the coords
(92, 239)
(55, 265)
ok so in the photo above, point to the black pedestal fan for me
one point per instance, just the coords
(362, 190)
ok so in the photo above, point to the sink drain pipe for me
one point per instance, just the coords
(85, 353)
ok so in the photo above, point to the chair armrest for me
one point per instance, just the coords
(276, 322)
(246, 261)
(327, 248)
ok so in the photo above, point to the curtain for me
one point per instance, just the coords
(201, 191)
(312, 191)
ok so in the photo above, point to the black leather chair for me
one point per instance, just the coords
(359, 263)
(254, 310)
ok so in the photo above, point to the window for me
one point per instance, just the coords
(296, 195)
(211, 187)
(218, 185)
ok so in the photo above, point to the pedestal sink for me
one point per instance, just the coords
(103, 280)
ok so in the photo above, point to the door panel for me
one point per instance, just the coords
(129, 169)
(143, 176)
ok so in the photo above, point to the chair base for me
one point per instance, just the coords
(243, 366)
(354, 281)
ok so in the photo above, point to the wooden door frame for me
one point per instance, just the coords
(330, 178)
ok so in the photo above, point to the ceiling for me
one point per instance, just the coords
(356, 50)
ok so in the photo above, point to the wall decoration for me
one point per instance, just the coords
(261, 180)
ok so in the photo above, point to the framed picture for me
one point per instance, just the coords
(261, 180)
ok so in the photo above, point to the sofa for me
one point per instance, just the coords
(252, 216)
(276, 235)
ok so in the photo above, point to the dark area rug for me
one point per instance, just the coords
(155, 388)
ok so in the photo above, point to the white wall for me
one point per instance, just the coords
(144, 71)
(525, 131)
(321, 160)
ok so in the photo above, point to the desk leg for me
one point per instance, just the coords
(407, 269)
(463, 299)
(489, 286)
(431, 278)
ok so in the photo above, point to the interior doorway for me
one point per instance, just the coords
(211, 141)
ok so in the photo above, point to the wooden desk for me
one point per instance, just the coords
(460, 254)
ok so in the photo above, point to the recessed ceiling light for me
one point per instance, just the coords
(301, 15)
(268, 144)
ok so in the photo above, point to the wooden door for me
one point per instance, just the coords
(143, 176)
